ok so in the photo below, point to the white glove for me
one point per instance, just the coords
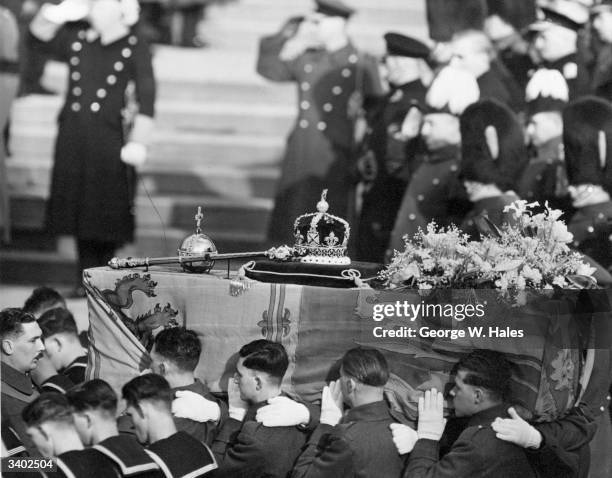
(517, 431)
(283, 412)
(404, 437)
(134, 154)
(332, 405)
(67, 11)
(195, 407)
(237, 406)
(431, 415)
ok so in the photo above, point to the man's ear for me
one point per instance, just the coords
(258, 382)
(351, 385)
(603, 148)
(8, 347)
(492, 141)
(478, 396)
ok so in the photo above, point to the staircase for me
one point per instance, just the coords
(220, 133)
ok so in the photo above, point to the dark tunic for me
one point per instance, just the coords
(492, 208)
(201, 431)
(361, 445)
(129, 455)
(87, 463)
(73, 374)
(319, 149)
(393, 157)
(447, 17)
(545, 177)
(592, 230)
(498, 84)
(249, 449)
(477, 452)
(434, 193)
(17, 391)
(181, 455)
(92, 190)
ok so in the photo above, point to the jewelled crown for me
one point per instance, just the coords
(321, 238)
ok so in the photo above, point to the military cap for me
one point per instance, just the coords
(477, 162)
(334, 8)
(565, 13)
(401, 45)
(587, 141)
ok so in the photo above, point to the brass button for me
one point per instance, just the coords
(118, 66)
(336, 90)
(95, 107)
(435, 181)
(111, 79)
(74, 60)
(132, 40)
(346, 73)
(101, 93)
(327, 107)
(305, 86)
(75, 75)
(412, 217)
(352, 58)
(321, 125)
(308, 68)
(76, 91)
(303, 123)
(75, 107)
(126, 53)
(77, 46)
(304, 105)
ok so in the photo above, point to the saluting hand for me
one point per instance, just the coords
(237, 406)
(332, 404)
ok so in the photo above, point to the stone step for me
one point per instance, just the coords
(165, 212)
(32, 177)
(180, 148)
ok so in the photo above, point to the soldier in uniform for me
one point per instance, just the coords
(332, 76)
(385, 165)
(473, 51)
(149, 399)
(94, 408)
(545, 178)
(21, 348)
(555, 39)
(434, 192)
(93, 177)
(50, 425)
(357, 442)
(587, 139)
(493, 155)
(601, 75)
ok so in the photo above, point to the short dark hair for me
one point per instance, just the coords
(151, 387)
(93, 395)
(48, 407)
(180, 346)
(265, 356)
(41, 298)
(487, 369)
(57, 321)
(366, 365)
(11, 320)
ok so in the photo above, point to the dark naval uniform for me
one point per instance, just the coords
(86, 463)
(73, 374)
(131, 458)
(493, 209)
(249, 449)
(592, 230)
(434, 194)
(545, 178)
(181, 455)
(202, 431)
(17, 391)
(393, 157)
(477, 452)
(361, 445)
(320, 147)
(92, 190)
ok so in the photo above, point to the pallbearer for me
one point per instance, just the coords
(96, 151)
(493, 156)
(587, 136)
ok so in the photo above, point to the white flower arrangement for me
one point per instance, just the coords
(531, 254)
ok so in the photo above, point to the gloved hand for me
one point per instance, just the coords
(332, 405)
(431, 415)
(517, 431)
(134, 154)
(237, 406)
(404, 437)
(283, 412)
(67, 11)
(195, 407)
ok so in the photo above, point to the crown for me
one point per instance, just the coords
(321, 238)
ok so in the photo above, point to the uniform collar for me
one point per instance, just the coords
(552, 149)
(561, 62)
(17, 380)
(197, 387)
(485, 417)
(367, 413)
(445, 154)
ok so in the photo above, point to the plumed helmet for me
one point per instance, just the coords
(547, 90)
(587, 140)
(478, 163)
(451, 91)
